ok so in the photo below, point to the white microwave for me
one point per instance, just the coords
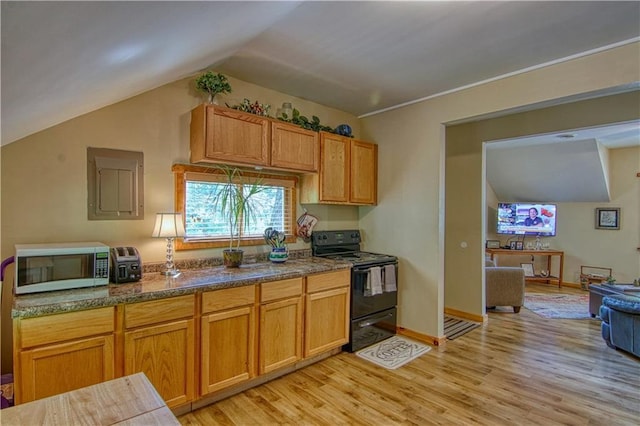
(60, 266)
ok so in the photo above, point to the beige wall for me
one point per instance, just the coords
(410, 220)
(585, 245)
(44, 187)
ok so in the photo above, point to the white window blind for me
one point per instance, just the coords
(273, 206)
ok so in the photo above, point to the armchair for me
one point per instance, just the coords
(620, 325)
(504, 286)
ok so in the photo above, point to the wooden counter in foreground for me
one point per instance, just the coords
(129, 400)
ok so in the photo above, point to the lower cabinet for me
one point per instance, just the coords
(280, 324)
(185, 350)
(326, 312)
(227, 338)
(159, 340)
(49, 351)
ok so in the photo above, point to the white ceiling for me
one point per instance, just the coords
(560, 167)
(64, 59)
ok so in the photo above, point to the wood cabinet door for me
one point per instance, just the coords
(225, 135)
(334, 168)
(294, 148)
(326, 321)
(280, 334)
(227, 348)
(63, 367)
(363, 173)
(165, 353)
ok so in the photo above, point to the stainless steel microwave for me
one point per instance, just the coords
(60, 266)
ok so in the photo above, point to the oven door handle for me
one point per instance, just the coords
(366, 269)
(374, 320)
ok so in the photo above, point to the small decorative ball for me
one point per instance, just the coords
(343, 129)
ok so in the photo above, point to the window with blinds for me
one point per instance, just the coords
(197, 187)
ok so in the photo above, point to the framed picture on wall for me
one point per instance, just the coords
(608, 218)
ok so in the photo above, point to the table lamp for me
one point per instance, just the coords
(169, 226)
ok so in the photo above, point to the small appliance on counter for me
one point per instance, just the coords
(126, 265)
(60, 266)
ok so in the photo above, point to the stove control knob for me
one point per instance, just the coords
(354, 235)
(324, 237)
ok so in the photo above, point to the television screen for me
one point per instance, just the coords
(527, 219)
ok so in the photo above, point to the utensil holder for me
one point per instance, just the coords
(279, 254)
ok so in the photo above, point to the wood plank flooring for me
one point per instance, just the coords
(519, 369)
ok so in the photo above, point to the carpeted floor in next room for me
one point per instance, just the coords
(567, 306)
(548, 301)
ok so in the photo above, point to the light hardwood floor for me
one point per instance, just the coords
(519, 369)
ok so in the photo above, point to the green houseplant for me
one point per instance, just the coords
(236, 201)
(213, 83)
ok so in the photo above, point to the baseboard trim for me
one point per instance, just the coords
(424, 338)
(465, 315)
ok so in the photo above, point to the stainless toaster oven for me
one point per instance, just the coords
(126, 265)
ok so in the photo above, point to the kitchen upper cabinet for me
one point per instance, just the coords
(334, 172)
(363, 175)
(159, 340)
(50, 349)
(224, 135)
(228, 338)
(348, 173)
(326, 312)
(294, 148)
(280, 324)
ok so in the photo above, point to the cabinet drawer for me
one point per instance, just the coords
(67, 326)
(228, 298)
(156, 311)
(329, 280)
(280, 289)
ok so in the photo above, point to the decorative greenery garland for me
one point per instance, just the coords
(213, 84)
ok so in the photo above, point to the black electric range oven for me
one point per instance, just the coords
(374, 294)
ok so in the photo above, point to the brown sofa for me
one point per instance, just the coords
(504, 286)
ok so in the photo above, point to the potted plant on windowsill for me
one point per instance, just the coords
(213, 83)
(236, 202)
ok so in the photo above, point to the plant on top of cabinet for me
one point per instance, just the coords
(212, 84)
(304, 122)
(254, 108)
(236, 202)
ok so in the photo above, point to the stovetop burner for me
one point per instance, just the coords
(345, 245)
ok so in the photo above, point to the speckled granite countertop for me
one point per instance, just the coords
(156, 286)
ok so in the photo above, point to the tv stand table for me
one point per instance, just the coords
(550, 254)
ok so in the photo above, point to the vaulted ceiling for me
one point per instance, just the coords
(64, 59)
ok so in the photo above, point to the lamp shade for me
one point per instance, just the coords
(168, 225)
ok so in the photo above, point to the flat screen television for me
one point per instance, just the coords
(527, 219)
